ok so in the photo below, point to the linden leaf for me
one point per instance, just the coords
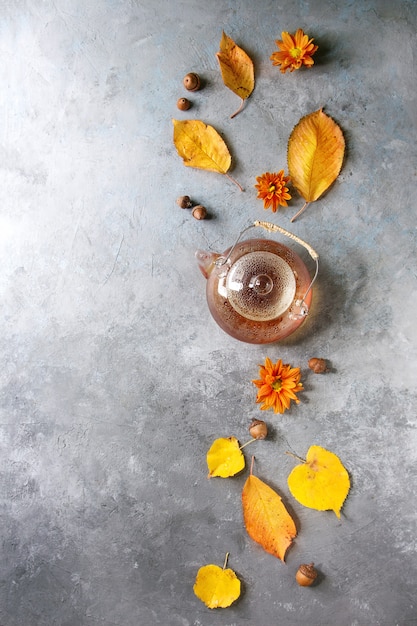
(315, 154)
(321, 483)
(236, 68)
(225, 458)
(217, 587)
(266, 518)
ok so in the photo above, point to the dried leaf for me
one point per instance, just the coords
(217, 587)
(225, 457)
(236, 68)
(315, 154)
(266, 518)
(321, 483)
(201, 146)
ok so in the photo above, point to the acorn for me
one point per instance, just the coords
(183, 104)
(258, 429)
(184, 202)
(306, 575)
(192, 81)
(319, 366)
(199, 212)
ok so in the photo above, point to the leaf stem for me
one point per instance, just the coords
(234, 181)
(225, 560)
(303, 208)
(247, 443)
(251, 465)
(296, 456)
(239, 109)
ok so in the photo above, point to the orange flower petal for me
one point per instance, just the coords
(272, 190)
(272, 395)
(295, 50)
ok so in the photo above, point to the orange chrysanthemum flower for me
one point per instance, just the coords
(272, 190)
(278, 385)
(295, 50)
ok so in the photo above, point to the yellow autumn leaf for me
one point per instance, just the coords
(315, 155)
(236, 68)
(321, 483)
(217, 587)
(201, 146)
(225, 457)
(266, 518)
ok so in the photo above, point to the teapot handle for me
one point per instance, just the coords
(273, 228)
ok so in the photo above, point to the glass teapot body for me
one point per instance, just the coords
(258, 291)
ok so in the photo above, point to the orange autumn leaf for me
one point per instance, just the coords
(217, 587)
(321, 483)
(315, 155)
(236, 68)
(267, 521)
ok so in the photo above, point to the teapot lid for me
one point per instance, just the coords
(260, 285)
(279, 281)
(258, 291)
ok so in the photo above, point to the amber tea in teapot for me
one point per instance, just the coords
(258, 291)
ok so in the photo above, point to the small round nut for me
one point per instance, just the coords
(306, 575)
(192, 81)
(184, 202)
(258, 429)
(319, 366)
(183, 104)
(199, 212)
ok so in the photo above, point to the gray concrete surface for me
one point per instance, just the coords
(115, 379)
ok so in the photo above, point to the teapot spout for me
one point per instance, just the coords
(206, 261)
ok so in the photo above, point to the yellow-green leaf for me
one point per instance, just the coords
(201, 146)
(321, 483)
(266, 518)
(216, 587)
(236, 68)
(225, 457)
(315, 154)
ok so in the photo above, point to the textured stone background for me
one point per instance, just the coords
(115, 380)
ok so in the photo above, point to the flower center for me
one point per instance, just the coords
(271, 188)
(277, 384)
(296, 53)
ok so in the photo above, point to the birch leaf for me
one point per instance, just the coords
(236, 68)
(225, 457)
(266, 518)
(321, 483)
(217, 587)
(315, 155)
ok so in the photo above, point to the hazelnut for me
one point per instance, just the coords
(183, 104)
(184, 202)
(319, 366)
(199, 212)
(306, 575)
(258, 429)
(192, 82)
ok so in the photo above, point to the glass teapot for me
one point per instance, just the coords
(258, 291)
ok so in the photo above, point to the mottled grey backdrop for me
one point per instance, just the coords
(115, 380)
